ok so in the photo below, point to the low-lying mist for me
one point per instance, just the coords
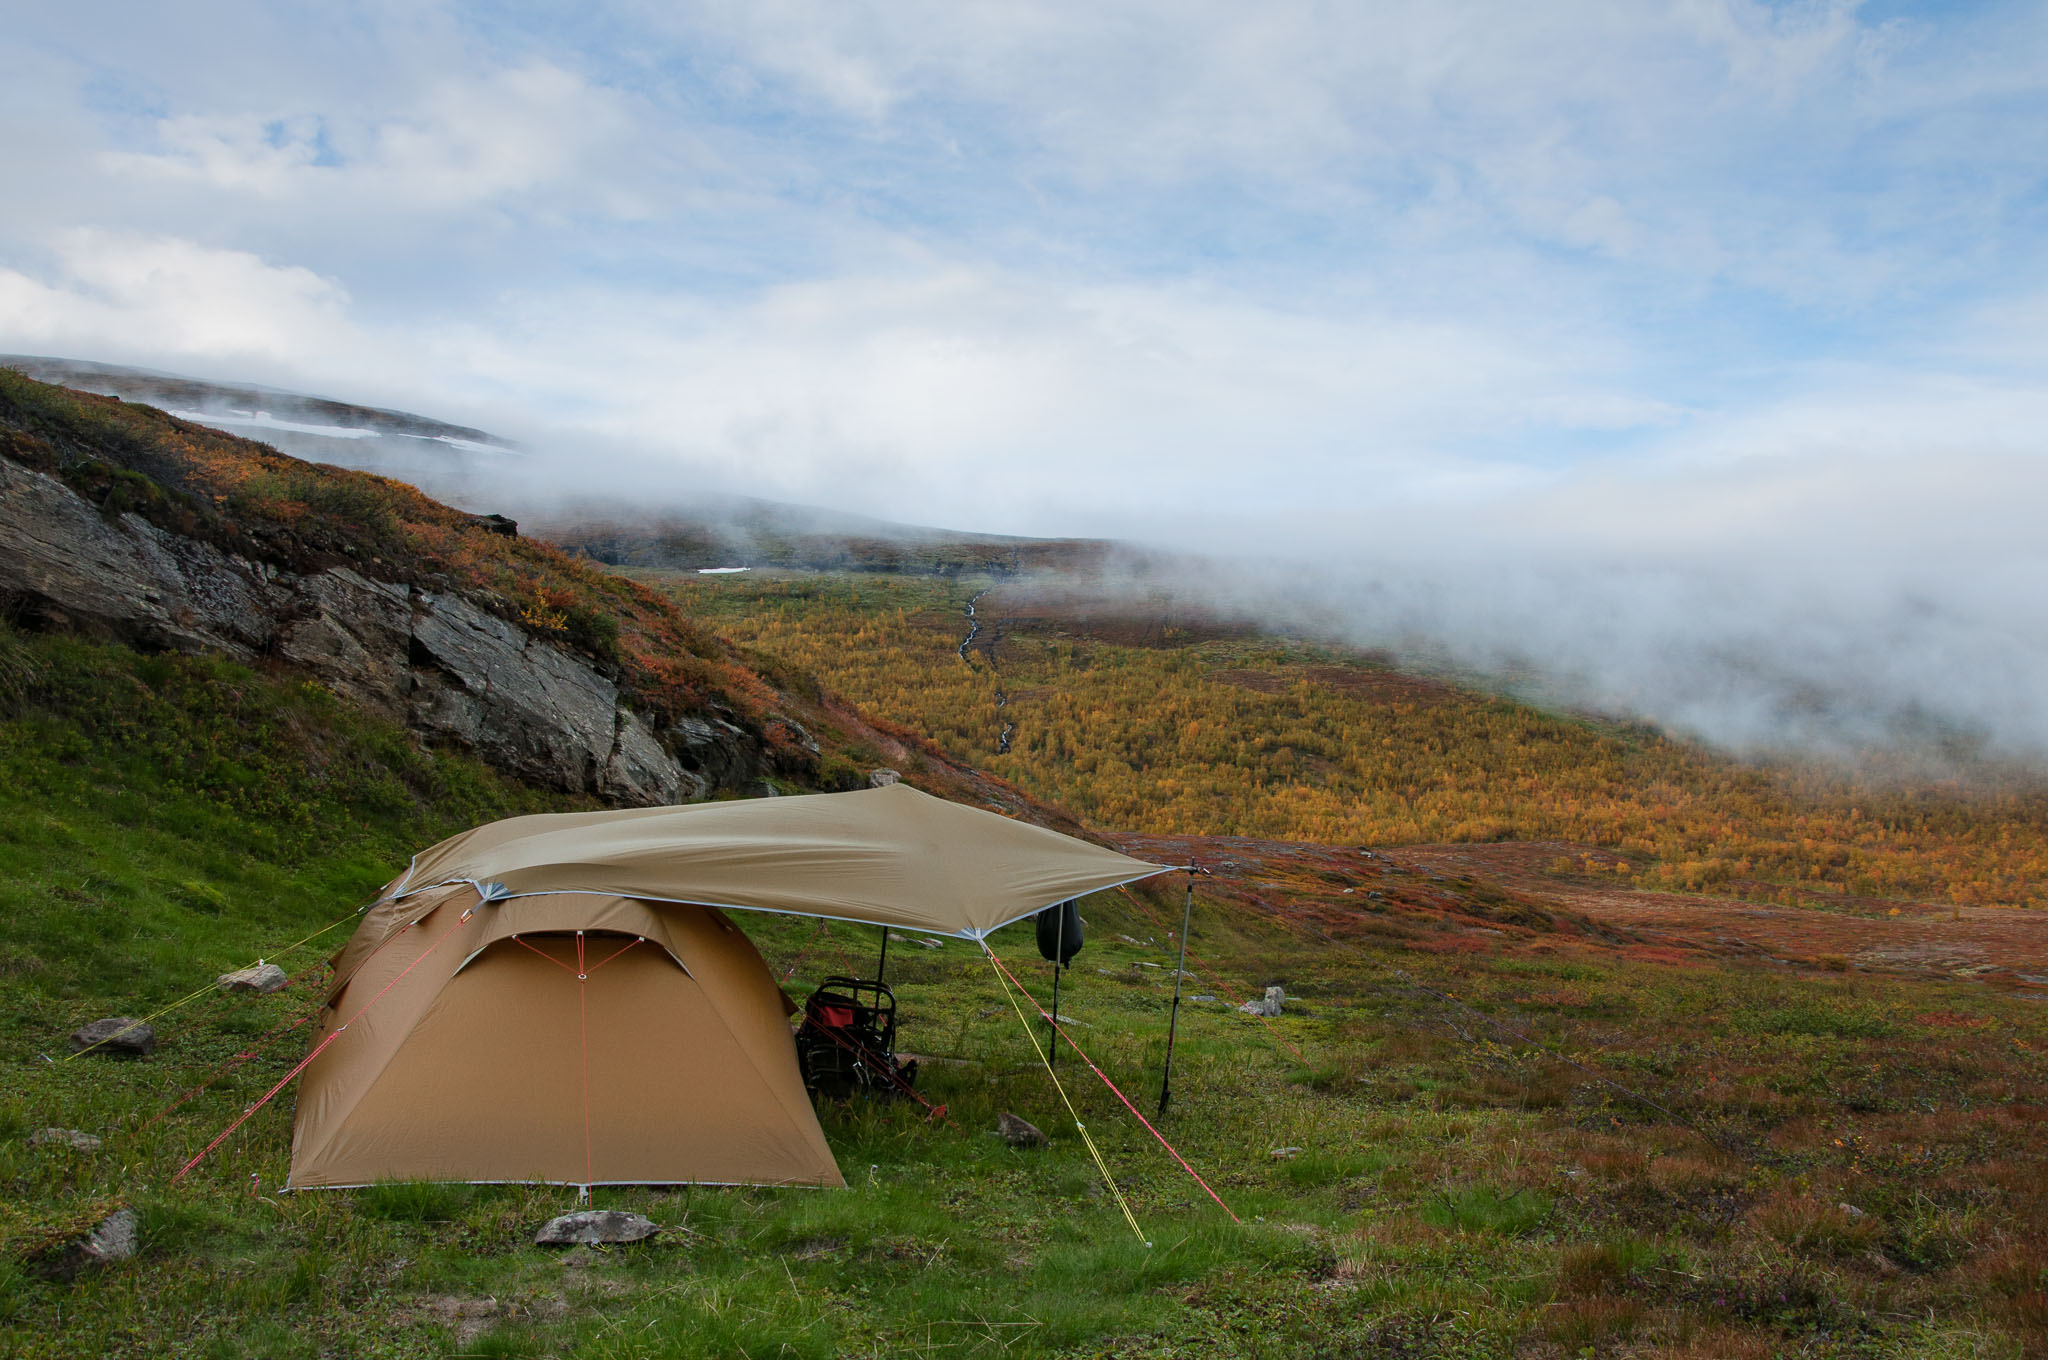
(1886, 610)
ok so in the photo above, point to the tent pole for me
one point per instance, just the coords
(1058, 950)
(1180, 969)
(884, 960)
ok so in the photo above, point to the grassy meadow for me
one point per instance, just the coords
(1843, 1164)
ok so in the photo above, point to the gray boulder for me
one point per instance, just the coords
(1018, 1133)
(1269, 1005)
(262, 979)
(113, 1239)
(882, 779)
(596, 1227)
(76, 1139)
(117, 1036)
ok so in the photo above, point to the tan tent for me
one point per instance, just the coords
(559, 998)
(572, 1038)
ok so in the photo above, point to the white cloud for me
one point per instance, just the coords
(1633, 331)
(121, 294)
(465, 142)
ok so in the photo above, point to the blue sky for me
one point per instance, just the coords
(1704, 285)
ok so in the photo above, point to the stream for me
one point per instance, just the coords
(1002, 696)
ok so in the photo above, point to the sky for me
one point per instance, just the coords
(1617, 337)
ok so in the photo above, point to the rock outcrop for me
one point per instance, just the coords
(449, 667)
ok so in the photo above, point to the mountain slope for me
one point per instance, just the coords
(125, 522)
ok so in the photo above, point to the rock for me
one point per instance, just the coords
(1851, 1210)
(591, 1227)
(1018, 1133)
(113, 1239)
(76, 1139)
(1270, 1005)
(882, 779)
(520, 697)
(262, 979)
(1204, 997)
(115, 1037)
(496, 524)
(920, 941)
(716, 753)
(1284, 1154)
(640, 771)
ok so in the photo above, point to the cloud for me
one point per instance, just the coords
(121, 294)
(1690, 347)
(465, 142)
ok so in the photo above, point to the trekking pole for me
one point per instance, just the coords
(1180, 969)
(883, 961)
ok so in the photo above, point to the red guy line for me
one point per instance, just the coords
(1061, 1031)
(317, 1051)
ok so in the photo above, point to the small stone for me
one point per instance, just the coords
(1851, 1210)
(1204, 997)
(77, 1139)
(1269, 1006)
(113, 1239)
(593, 1226)
(115, 1037)
(882, 779)
(1286, 1154)
(1018, 1133)
(262, 979)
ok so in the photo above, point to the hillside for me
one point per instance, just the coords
(1160, 718)
(1524, 1100)
(132, 524)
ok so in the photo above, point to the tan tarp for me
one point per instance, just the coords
(889, 856)
(480, 1045)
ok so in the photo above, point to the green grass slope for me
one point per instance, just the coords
(1456, 1192)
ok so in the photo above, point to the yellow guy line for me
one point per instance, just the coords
(194, 995)
(1093, 1151)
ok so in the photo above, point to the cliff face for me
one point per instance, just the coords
(447, 662)
(119, 521)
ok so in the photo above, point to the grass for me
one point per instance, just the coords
(1457, 1194)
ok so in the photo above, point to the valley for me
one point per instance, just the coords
(1594, 1040)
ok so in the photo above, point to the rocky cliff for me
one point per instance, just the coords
(144, 561)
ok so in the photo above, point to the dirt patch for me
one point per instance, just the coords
(1467, 892)
(469, 1319)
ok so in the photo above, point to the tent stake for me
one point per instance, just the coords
(1180, 969)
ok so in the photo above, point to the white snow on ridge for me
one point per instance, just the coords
(720, 571)
(263, 420)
